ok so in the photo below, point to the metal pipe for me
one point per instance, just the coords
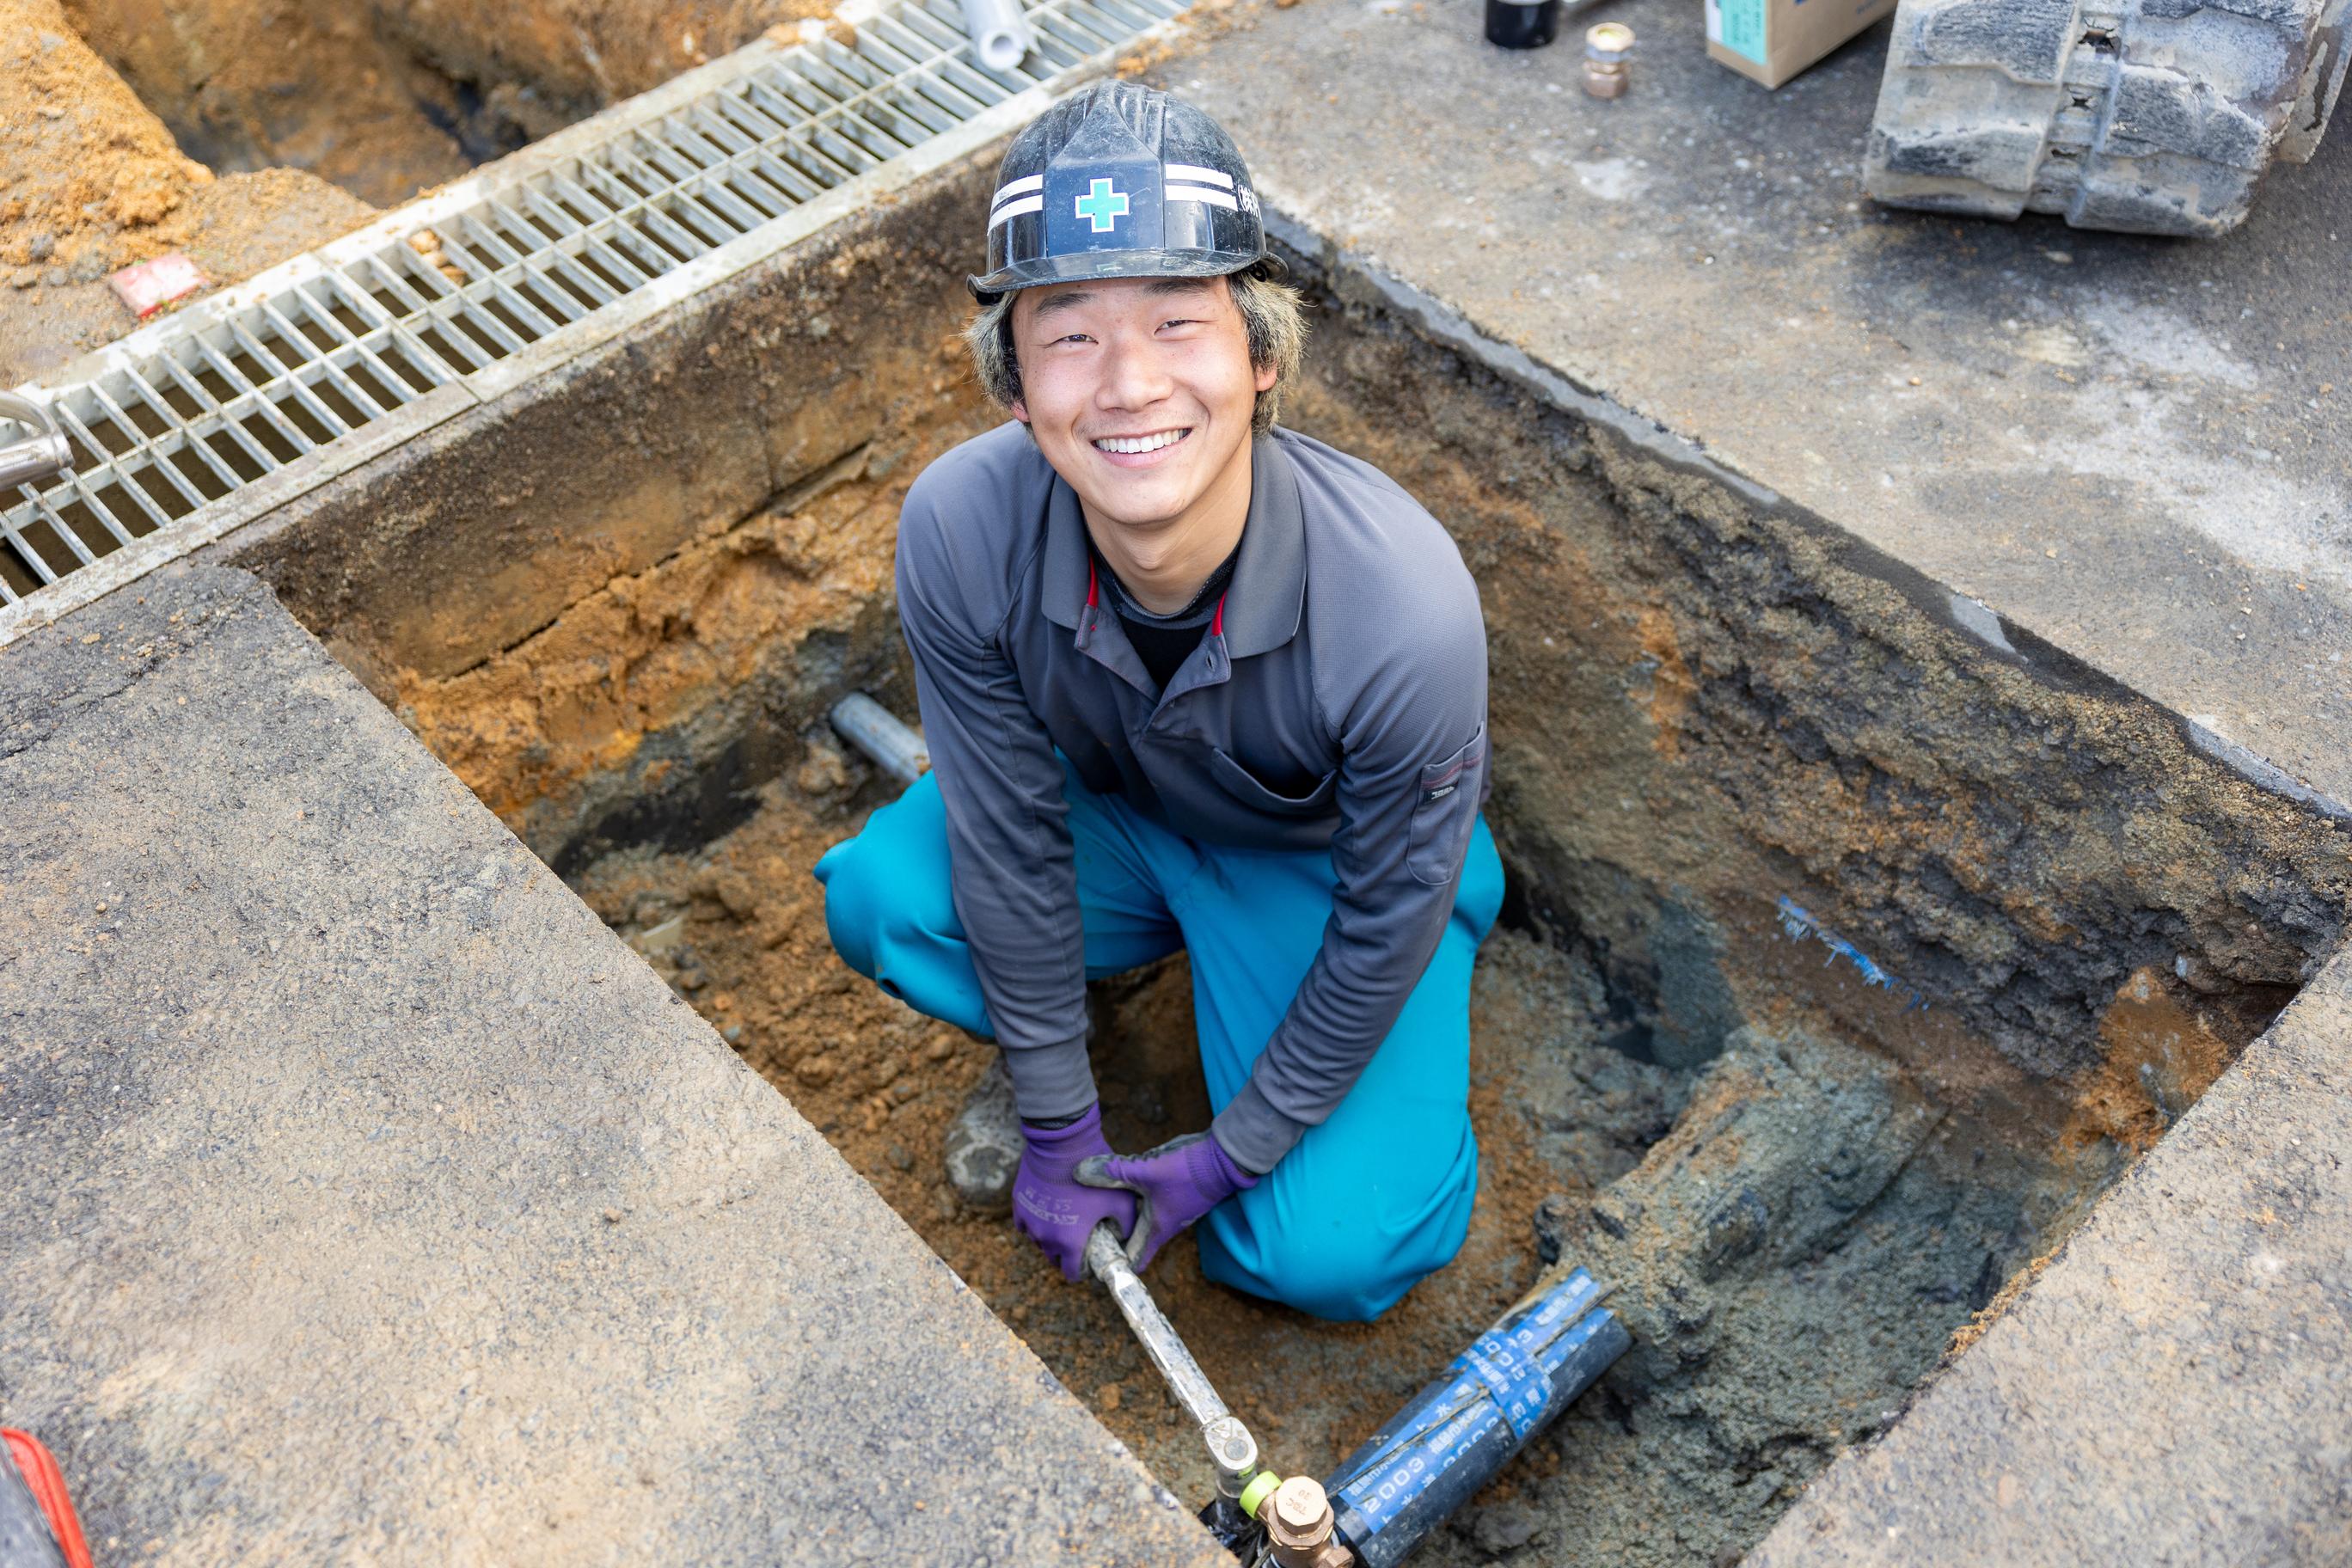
(1108, 1258)
(887, 741)
(1230, 1448)
(43, 455)
(899, 752)
(999, 33)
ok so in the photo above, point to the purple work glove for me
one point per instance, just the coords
(1050, 1206)
(1174, 1185)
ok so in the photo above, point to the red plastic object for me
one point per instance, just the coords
(152, 285)
(47, 1485)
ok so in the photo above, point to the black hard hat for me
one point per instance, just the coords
(1120, 180)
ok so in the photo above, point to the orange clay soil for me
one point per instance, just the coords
(91, 181)
(2157, 1058)
(2160, 1057)
(652, 650)
(246, 131)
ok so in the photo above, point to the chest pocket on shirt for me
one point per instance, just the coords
(1243, 786)
(1443, 813)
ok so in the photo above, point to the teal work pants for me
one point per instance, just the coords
(1369, 1202)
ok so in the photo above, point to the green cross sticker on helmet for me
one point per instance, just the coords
(1102, 206)
(1119, 180)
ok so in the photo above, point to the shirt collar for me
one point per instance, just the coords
(1262, 608)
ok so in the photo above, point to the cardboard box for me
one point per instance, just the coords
(1772, 40)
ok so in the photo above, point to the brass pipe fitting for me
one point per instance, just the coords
(1607, 48)
(1298, 1526)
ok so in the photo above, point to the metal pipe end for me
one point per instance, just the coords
(1001, 49)
(1299, 1512)
(879, 734)
(1232, 1450)
(1299, 1526)
(34, 460)
(43, 455)
(1607, 48)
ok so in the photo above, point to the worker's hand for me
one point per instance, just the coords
(1050, 1205)
(1174, 1185)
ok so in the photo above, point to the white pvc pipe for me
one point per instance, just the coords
(876, 732)
(999, 33)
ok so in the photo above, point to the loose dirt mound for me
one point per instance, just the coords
(91, 181)
(390, 97)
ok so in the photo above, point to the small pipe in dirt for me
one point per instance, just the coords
(883, 736)
(1107, 1256)
(1230, 1448)
(898, 751)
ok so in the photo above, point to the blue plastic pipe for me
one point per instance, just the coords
(1429, 1459)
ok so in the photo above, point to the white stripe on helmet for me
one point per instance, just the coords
(1200, 193)
(1193, 173)
(1014, 208)
(1021, 186)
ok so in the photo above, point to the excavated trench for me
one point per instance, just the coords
(243, 132)
(388, 97)
(1855, 941)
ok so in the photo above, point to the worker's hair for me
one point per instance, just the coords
(1271, 315)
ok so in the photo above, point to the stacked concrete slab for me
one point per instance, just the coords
(362, 1198)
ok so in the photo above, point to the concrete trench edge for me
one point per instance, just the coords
(748, 1294)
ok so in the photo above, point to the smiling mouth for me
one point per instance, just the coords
(1136, 446)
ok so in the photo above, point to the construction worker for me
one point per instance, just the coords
(1191, 680)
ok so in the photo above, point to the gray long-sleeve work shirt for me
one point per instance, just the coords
(1340, 703)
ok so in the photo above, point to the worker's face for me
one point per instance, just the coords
(1161, 364)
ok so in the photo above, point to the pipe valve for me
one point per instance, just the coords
(1298, 1526)
(43, 454)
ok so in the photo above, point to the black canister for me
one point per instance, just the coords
(1522, 24)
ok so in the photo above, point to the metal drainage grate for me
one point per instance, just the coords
(261, 379)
